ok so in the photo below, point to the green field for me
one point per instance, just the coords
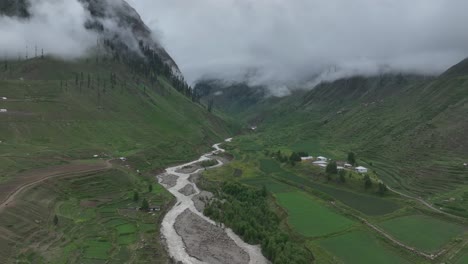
(362, 248)
(308, 217)
(368, 204)
(271, 185)
(423, 232)
(463, 259)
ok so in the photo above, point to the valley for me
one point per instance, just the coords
(235, 132)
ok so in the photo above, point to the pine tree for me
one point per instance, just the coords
(144, 205)
(332, 168)
(56, 220)
(150, 188)
(382, 188)
(367, 182)
(351, 158)
(136, 196)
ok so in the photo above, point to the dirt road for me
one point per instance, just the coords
(423, 202)
(9, 190)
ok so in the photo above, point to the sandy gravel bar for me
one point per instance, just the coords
(207, 242)
(187, 190)
(169, 180)
(200, 200)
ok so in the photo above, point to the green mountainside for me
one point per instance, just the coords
(411, 130)
(55, 114)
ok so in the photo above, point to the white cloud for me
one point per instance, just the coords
(290, 40)
(56, 26)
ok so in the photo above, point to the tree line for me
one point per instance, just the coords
(246, 211)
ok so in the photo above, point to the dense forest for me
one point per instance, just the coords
(246, 211)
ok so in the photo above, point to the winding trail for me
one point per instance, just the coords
(425, 203)
(12, 189)
(174, 242)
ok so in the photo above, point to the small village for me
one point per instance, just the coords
(322, 162)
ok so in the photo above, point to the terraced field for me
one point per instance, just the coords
(97, 221)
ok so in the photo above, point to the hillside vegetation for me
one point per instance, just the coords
(410, 130)
(61, 114)
(55, 114)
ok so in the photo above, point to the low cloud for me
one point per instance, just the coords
(278, 43)
(56, 26)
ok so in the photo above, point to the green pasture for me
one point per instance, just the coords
(360, 247)
(310, 218)
(423, 232)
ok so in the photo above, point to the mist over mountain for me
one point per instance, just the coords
(71, 29)
(300, 43)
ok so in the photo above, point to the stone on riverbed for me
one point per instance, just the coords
(169, 180)
(187, 190)
(207, 242)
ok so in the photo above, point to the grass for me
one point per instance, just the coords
(423, 232)
(462, 259)
(270, 166)
(271, 185)
(360, 247)
(310, 218)
(97, 250)
(368, 204)
(49, 123)
(126, 229)
(102, 230)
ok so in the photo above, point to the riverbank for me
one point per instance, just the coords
(186, 230)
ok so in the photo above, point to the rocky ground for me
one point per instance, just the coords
(187, 190)
(169, 180)
(207, 242)
(189, 168)
(201, 199)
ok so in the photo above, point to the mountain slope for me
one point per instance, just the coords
(411, 130)
(55, 113)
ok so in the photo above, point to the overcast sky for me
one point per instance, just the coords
(288, 40)
(274, 42)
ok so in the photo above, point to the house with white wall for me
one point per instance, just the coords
(361, 169)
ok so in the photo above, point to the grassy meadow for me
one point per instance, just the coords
(361, 247)
(310, 218)
(423, 232)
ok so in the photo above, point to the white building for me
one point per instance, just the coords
(361, 169)
(347, 165)
(306, 158)
(319, 162)
(4, 98)
(340, 168)
(321, 158)
(3, 110)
